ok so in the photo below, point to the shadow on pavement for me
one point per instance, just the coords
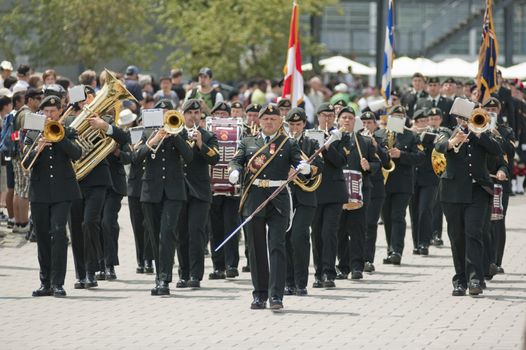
(316, 312)
(508, 298)
(18, 268)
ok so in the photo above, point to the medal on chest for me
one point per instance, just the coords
(272, 148)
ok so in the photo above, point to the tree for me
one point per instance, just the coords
(236, 38)
(57, 32)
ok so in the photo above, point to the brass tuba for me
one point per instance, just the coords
(95, 144)
(391, 139)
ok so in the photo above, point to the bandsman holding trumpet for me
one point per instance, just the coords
(164, 193)
(465, 192)
(52, 189)
(304, 204)
(192, 233)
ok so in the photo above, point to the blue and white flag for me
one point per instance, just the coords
(388, 55)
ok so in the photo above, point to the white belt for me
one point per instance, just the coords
(268, 183)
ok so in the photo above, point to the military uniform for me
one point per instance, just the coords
(192, 233)
(304, 205)
(163, 194)
(441, 102)
(409, 99)
(465, 192)
(86, 216)
(268, 160)
(353, 223)
(52, 189)
(399, 188)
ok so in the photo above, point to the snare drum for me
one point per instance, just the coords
(497, 210)
(228, 132)
(353, 182)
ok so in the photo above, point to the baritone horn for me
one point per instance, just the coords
(53, 132)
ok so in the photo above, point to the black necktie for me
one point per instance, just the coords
(267, 139)
(434, 103)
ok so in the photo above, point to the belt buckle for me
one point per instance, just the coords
(264, 183)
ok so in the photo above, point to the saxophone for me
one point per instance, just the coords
(391, 139)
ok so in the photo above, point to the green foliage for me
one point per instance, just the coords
(55, 32)
(236, 38)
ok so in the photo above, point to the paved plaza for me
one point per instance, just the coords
(398, 307)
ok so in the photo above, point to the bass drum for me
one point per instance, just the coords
(229, 132)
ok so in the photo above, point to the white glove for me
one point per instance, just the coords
(233, 177)
(336, 135)
(304, 168)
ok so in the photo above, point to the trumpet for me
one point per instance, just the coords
(53, 132)
(173, 124)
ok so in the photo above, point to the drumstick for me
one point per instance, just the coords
(358, 146)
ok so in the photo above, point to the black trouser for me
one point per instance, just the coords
(143, 247)
(50, 221)
(374, 208)
(421, 211)
(488, 243)
(500, 230)
(351, 233)
(110, 228)
(298, 246)
(393, 213)
(85, 230)
(267, 253)
(161, 223)
(464, 228)
(325, 239)
(224, 218)
(438, 216)
(191, 238)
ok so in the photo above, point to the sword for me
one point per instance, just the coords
(271, 197)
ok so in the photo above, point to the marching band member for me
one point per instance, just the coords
(304, 205)
(52, 189)
(267, 158)
(331, 196)
(399, 185)
(163, 195)
(465, 193)
(374, 208)
(191, 232)
(362, 161)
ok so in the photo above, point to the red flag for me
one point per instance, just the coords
(293, 81)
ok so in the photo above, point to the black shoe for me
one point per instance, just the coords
(258, 304)
(356, 275)
(110, 273)
(148, 267)
(475, 288)
(437, 241)
(275, 303)
(194, 283)
(101, 276)
(245, 269)
(289, 290)
(423, 251)
(79, 284)
(43, 291)
(181, 284)
(368, 267)
(139, 269)
(232, 272)
(416, 251)
(493, 269)
(342, 276)
(90, 281)
(163, 288)
(32, 237)
(500, 270)
(301, 292)
(59, 292)
(483, 285)
(459, 291)
(318, 283)
(155, 290)
(329, 284)
(217, 275)
(394, 259)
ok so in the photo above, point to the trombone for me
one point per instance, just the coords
(173, 124)
(478, 122)
(53, 132)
